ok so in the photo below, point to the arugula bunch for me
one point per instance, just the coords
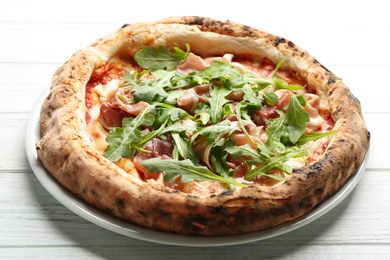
(161, 85)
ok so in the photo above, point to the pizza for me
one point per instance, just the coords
(197, 126)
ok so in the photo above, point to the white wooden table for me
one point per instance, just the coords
(351, 39)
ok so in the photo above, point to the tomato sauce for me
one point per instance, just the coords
(101, 75)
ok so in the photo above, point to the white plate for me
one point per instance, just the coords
(106, 221)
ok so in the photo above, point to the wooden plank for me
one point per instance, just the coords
(357, 223)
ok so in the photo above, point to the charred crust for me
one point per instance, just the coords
(170, 191)
(197, 222)
(125, 25)
(142, 213)
(331, 79)
(325, 68)
(221, 27)
(225, 193)
(306, 203)
(197, 21)
(219, 210)
(291, 44)
(120, 203)
(317, 167)
(109, 211)
(248, 29)
(287, 209)
(319, 190)
(279, 40)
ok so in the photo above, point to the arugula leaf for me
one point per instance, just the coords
(224, 72)
(217, 101)
(168, 112)
(119, 139)
(251, 97)
(180, 146)
(186, 170)
(279, 83)
(296, 118)
(131, 79)
(275, 162)
(178, 128)
(174, 95)
(247, 151)
(251, 77)
(203, 117)
(190, 80)
(313, 137)
(153, 90)
(242, 113)
(167, 84)
(276, 128)
(219, 160)
(160, 58)
(270, 97)
(211, 132)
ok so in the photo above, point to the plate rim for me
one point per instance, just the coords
(106, 221)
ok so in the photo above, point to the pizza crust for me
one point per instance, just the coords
(65, 148)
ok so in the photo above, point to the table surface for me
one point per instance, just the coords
(38, 36)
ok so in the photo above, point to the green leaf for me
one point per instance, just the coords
(279, 83)
(270, 97)
(211, 132)
(160, 58)
(222, 71)
(275, 162)
(246, 151)
(296, 118)
(174, 95)
(180, 145)
(217, 101)
(130, 77)
(250, 77)
(119, 139)
(186, 170)
(178, 128)
(276, 128)
(166, 111)
(251, 96)
(219, 157)
(153, 90)
(241, 113)
(189, 80)
(203, 117)
(313, 137)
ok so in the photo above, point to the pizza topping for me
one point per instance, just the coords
(190, 119)
(160, 58)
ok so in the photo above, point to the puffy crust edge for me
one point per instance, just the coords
(65, 151)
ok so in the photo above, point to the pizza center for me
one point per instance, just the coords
(202, 125)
